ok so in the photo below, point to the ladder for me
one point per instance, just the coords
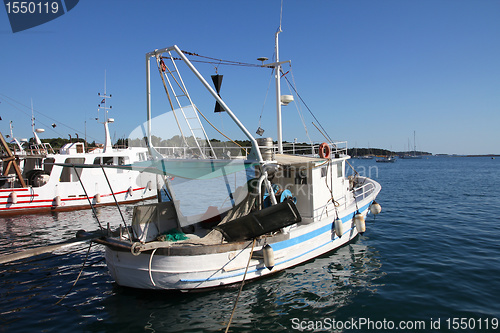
(182, 102)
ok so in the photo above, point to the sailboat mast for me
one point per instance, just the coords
(414, 145)
(278, 94)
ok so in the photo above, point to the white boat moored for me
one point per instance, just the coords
(245, 217)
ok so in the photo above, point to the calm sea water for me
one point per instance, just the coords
(431, 256)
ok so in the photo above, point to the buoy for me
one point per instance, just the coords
(339, 227)
(97, 198)
(57, 201)
(13, 197)
(359, 222)
(375, 208)
(130, 191)
(324, 150)
(268, 256)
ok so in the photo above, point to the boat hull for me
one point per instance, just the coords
(27, 204)
(94, 187)
(220, 266)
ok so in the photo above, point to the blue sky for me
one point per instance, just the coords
(372, 71)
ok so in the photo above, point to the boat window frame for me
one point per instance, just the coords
(68, 174)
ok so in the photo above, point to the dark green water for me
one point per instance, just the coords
(429, 262)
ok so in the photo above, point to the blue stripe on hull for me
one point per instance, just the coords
(291, 242)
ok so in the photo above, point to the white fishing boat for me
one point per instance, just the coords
(37, 179)
(209, 239)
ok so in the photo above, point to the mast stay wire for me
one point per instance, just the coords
(238, 63)
(267, 93)
(299, 110)
(308, 109)
(40, 113)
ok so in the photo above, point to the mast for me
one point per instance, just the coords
(148, 99)
(21, 149)
(414, 145)
(37, 139)
(102, 105)
(278, 95)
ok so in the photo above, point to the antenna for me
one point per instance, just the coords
(281, 14)
(102, 106)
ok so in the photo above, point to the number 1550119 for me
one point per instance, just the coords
(27, 7)
(472, 323)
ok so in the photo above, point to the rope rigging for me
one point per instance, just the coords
(308, 109)
(163, 69)
(217, 62)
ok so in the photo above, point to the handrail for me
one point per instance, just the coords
(364, 192)
(339, 148)
(183, 151)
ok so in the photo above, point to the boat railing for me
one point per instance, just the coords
(43, 149)
(337, 148)
(363, 191)
(193, 152)
(332, 206)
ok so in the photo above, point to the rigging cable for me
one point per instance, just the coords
(208, 121)
(40, 113)
(241, 287)
(218, 61)
(78, 277)
(298, 105)
(162, 71)
(265, 98)
(307, 107)
(88, 198)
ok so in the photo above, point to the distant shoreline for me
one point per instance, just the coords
(455, 155)
(487, 155)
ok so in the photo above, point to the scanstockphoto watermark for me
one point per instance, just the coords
(370, 171)
(332, 324)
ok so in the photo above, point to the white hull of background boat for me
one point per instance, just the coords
(62, 188)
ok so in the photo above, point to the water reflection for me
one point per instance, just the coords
(317, 288)
(30, 290)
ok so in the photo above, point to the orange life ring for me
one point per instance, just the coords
(324, 150)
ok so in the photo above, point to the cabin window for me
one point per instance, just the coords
(324, 171)
(79, 148)
(68, 173)
(141, 156)
(340, 170)
(97, 160)
(122, 160)
(107, 160)
(301, 176)
(47, 165)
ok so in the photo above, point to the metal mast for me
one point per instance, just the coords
(278, 94)
(102, 105)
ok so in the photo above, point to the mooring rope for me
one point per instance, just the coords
(149, 267)
(88, 198)
(79, 274)
(241, 287)
(116, 202)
